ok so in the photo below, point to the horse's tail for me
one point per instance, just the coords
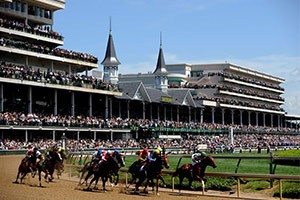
(177, 170)
(176, 173)
(85, 167)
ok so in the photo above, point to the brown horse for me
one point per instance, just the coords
(152, 171)
(47, 167)
(194, 173)
(23, 170)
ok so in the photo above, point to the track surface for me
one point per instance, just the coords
(65, 189)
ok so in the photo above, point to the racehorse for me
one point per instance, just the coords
(47, 166)
(50, 163)
(59, 165)
(23, 170)
(194, 173)
(106, 169)
(152, 171)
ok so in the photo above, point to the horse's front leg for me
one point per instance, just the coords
(104, 179)
(146, 186)
(40, 177)
(157, 185)
(203, 186)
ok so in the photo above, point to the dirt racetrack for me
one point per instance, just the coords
(66, 189)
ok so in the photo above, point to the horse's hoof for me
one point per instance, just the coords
(135, 192)
(16, 182)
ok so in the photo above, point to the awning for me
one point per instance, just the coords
(174, 79)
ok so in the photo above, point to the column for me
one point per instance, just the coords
(249, 118)
(95, 135)
(106, 106)
(53, 135)
(72, 104)
(144, 111)
(120, 109)
(78, 135)
(264, 119)
(212, 115)
(195, 115)
(189, 114)
(110, 108)
(201, 115)
(177, 113)
(26, 60)
(157, 111)
(223, 116)
(232, 116)
(70, 69)
(171, 113)
(241, 117)
(1, 97)
(128, 114)
(271, 120)
(55, 102)
(151, 116)
(165, 113)
(111, 135)
(256, 118)
(278, 121)
(90, 105)
(26, 135)
(29, 99)
(52, 66)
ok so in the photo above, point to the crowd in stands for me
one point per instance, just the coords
(33, 119)
(200, 96)
(189, 142)
(44, 31)
(31, 74)
(245, 79)
(237, 90)
(43, 49)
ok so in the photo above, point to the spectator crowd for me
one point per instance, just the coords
(221, 142)
(21, 72)
(35, 119)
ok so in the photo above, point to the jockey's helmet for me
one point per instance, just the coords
(158, 150)
(99, 151)
(203, 154)
(145, 150)
(35, 149)
(116, 152)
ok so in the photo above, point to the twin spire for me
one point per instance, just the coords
(161, 65)
(110, 58)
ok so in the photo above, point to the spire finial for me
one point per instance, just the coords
(160, 39)
(109, 24)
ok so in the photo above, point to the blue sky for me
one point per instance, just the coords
(263, 35)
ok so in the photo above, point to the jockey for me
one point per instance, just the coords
(196, 158)
(154, 154)
(32, 154)
(106, 155)
(115, 153)
(97, 156)
(143, 155)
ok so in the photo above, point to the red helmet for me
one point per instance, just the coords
(145, 150)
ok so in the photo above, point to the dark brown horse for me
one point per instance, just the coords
(105, 170)
(194, 173)
(151, 172)
(23, 170)
(47, 167)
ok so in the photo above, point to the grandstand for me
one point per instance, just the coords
(45, 90)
